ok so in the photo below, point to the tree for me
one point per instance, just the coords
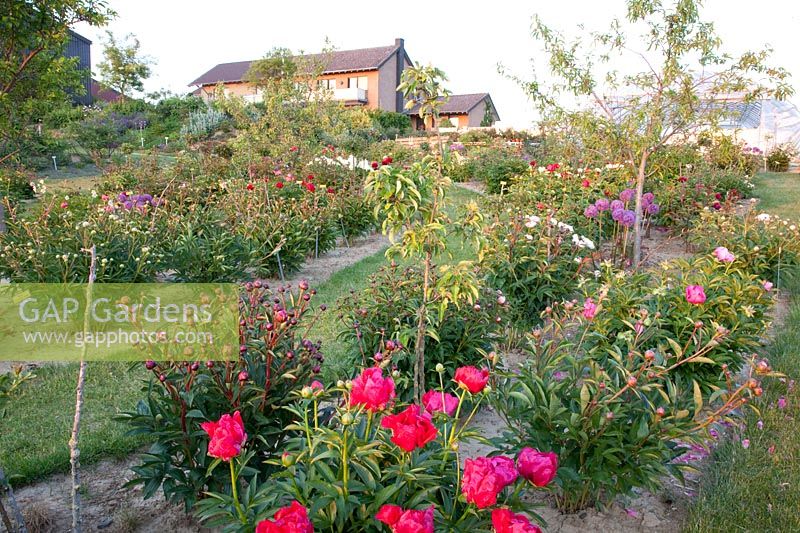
(33, 71)
(423, 87)
(124, 69)
(677, 93)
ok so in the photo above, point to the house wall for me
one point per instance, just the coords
(80, 47)
(373, 84)
(387, 85)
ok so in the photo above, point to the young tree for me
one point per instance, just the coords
(33, 70)
(124, 69)
(423, 87)
(677, 93)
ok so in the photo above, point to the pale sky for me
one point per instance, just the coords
(467, 40)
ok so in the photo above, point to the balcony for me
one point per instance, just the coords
(351, 95)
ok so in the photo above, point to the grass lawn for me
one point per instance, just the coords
(779, 194)
(758, 488)
(35, 431)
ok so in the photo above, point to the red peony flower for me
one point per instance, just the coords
(310, 187)
(533, 163)
(586, 184)
(386, 160)
(504, 521)
(717, 206)
(408, 521)
(279, 185)
(537, 467)
(290, 519)
(482, 482)
(372, 390)
(331, 190)
(683, 179)
(471, 378)
(410, 429)
(695, 294)
(374, 165)
(293, 149)
(435, 402)
(227, 436)
(250, 186)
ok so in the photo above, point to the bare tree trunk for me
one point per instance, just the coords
(14, 508)
(637, 230)
(419, 347)
(74, 451)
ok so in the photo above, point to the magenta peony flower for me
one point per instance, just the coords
(589, 308)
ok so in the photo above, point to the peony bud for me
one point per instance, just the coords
(347, 419)
(439, 368)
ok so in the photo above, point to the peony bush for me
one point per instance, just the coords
(361, 460)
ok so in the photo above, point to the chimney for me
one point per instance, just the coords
(399, 43)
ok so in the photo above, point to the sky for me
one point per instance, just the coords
(467, 40)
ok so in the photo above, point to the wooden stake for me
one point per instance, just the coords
(74, 450)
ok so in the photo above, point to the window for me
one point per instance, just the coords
(359, 82)
(327, 84)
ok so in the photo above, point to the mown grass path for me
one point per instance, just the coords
(752, 482)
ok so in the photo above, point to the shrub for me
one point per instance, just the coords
(388, 310)
(765, 244)
(618, 414)
(48, 243)
(366, 460)
(275, 361)
(201, 124)
(779, 157)
(534, 261)
(726, 153)
(496, 168)
(391, 123)
(16, 183)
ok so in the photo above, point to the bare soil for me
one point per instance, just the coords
(106, 505)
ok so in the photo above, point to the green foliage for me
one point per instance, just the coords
(389, 309)
(33, 72)
(11, 383)
(123, 68)
(534, 262)
(203, 123)
(496, 167)
(391, 124)
(342, 465)
(16, 183)
(422, 88)
(725, 153)
(623, 395)
(259, 382)
(765, 244)
(101, 133)
(780, 156)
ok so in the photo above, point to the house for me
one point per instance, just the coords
(101, 93)
(462, 111)
(365, 77)
(80, 47)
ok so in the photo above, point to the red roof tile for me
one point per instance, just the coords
(337, 61)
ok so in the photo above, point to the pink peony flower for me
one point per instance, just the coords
(435, 402)
(695, 294)
(589, 308)
(767, 285)
(372, 390)
(537, 467)
(504, 521)
(724, 255)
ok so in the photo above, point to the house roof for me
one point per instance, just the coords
(462, 104)
(103, 93)
(333, 62)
